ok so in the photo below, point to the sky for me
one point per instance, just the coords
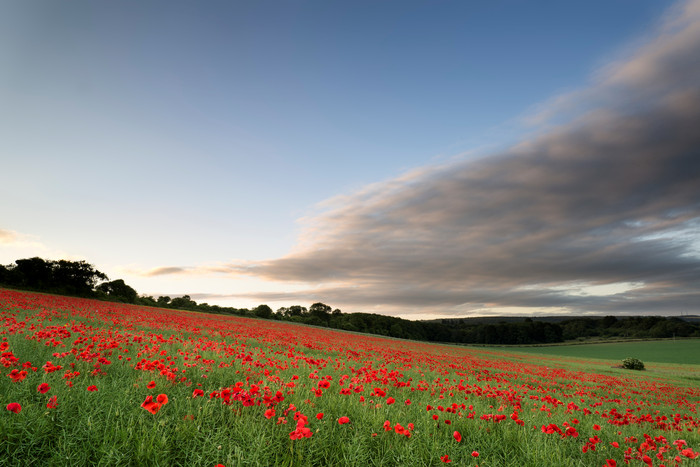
(411, 158)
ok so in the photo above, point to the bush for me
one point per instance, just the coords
(632, 364)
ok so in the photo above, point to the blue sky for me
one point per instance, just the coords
(255, 152)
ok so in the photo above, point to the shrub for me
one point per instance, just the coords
(632, 364)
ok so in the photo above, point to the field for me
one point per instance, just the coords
(97, 383)
(682, 351)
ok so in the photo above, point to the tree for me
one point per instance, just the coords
(118, 290)
(31, 272)
(263, 311)
(183, 303)
(76, 277)
(295, 310)
(163, 300)
(320, 311)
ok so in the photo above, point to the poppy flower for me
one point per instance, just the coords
(319, 415)
(14, 407)
(51, 404)
(610, 463)
(43, 388)
(390, 400)
(446, 459)
(162, 399)
(269, 413)
(475, 453)
(151, 406)
(197, 393)
(92, 388)
(343, 420)
(151, 385)
(457, 436)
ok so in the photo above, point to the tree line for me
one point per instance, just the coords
(79, 278)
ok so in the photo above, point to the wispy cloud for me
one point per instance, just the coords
(606, 198)
(16, 245)
(181, 270)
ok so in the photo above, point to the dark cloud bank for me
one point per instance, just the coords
(611, 196)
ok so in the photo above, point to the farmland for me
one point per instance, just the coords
(87, 382)
(682, 351)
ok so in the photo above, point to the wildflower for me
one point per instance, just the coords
(446, 459)
(151, 385)
(16, 375)
(390, 400)
(475, 453)
(14, 407)
(43, 388)
(162, 399)
(610, 463)
(269, 413)
(151, 406)
(457, 436)
(319, 415)
(596, 427)
(92, 388)
(343, 420)
(197, 393)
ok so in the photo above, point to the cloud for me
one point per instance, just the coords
(8, 236)
(180, 270)
(608, 197)
(16, 245)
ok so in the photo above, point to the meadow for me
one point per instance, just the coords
(96, 383)
(680, 351)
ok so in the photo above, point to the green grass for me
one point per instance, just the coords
(680, 351)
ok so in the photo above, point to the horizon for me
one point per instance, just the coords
(409, 159)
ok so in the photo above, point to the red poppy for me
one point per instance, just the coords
(319, 415)
(390, 400)
(446, 459)
(343, 420)
(458, 436)
(475, 453)
(269, 413)
(16, 375)
(610, 463)
(51, 404)
(14, 407)
(162, 399)
(151, 385)
(92, 388)
(197, 393)
(151, 406)
(43, 388)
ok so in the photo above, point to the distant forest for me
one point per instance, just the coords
(79, 278)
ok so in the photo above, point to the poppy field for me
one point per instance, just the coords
(86, 382)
